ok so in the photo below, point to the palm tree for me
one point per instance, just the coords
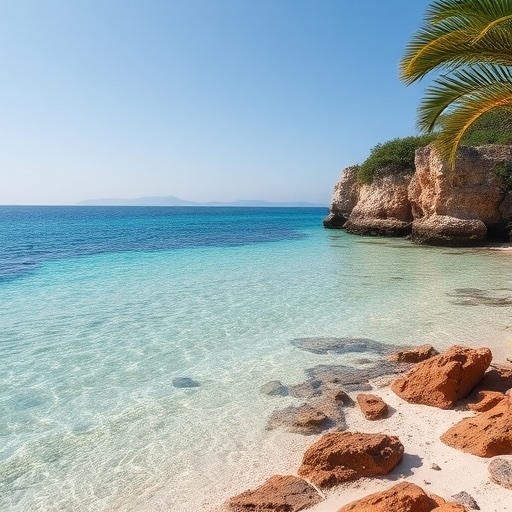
(469, 44)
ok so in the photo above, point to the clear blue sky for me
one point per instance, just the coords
(202, 99)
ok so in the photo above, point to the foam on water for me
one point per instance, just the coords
(89, 348)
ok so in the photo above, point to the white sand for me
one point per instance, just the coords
(419, 427)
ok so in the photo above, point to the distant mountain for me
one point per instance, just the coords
(176, 201)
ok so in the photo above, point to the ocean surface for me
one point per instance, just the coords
(103, 308)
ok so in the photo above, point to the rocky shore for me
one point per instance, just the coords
(433, 204)
(419, 431)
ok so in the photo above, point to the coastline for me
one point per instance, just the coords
(427, 462)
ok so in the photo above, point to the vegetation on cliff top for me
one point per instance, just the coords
(470, 43)
(394, 156)
(397, 155)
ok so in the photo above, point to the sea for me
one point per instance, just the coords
(134, 342)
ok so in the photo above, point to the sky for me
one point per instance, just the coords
(207, 100)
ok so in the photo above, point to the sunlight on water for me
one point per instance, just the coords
(89, 348)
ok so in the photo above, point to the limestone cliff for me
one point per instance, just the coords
(434, 204)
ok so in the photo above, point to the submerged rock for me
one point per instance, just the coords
(443, 379)
(303, 419)
(274, 388)
(340, 457)
(342, 345)
(185, 382)
(279, 493)
(348, 377)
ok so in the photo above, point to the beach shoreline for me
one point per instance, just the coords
(427, 462)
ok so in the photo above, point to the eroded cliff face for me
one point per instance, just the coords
(434, 204)
(383, 208)
(344, 198)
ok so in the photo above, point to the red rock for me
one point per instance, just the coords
(278, 493)
(413, 355)
(442, 380)
(372, 406)
(486, 400)
(403, 497)
(343, 456)
(486, 435)
(499, 378)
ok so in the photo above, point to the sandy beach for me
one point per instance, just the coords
(427, 462)
(419, 428)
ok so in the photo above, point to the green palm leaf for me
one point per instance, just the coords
(454, 124)
(470, 42)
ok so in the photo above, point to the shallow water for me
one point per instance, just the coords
(100, 309)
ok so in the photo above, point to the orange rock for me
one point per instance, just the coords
(404, 497)
(486, 435)
(343, 456)
(442, 380)
(413, 355)
(286, 493)
(486, 400)
(372, 406)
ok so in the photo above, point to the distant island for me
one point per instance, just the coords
(176, 201)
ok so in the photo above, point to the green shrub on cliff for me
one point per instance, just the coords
(494, 127)
(396, 155)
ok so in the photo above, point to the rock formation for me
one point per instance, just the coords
(344, 198)
(500, 472)
(403, 497)
(343, 456)
(372, 406)
(486, 435)
(383, 208)
(285, 493)
(302, 419)
(443, 379)
(486, 400)
(413, 355)
(434, 204)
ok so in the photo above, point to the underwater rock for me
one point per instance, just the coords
(185, 382)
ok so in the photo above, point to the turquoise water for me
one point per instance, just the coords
(100, 309)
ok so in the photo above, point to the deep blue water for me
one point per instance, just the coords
(30, 235)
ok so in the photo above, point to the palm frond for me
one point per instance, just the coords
(442, 9)
(449, 89)
(459, 32)
(455, 123)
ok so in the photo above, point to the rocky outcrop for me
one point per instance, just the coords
(372, 406)
(413, 355)
(462, 201)
(500, 472)
(442, 380)
(486, 435)
(486, 400)
(344, 198)
(343, 456)
(284, 493)
(436, 204)
(383, 208)
(403, 497)
(302, 419)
